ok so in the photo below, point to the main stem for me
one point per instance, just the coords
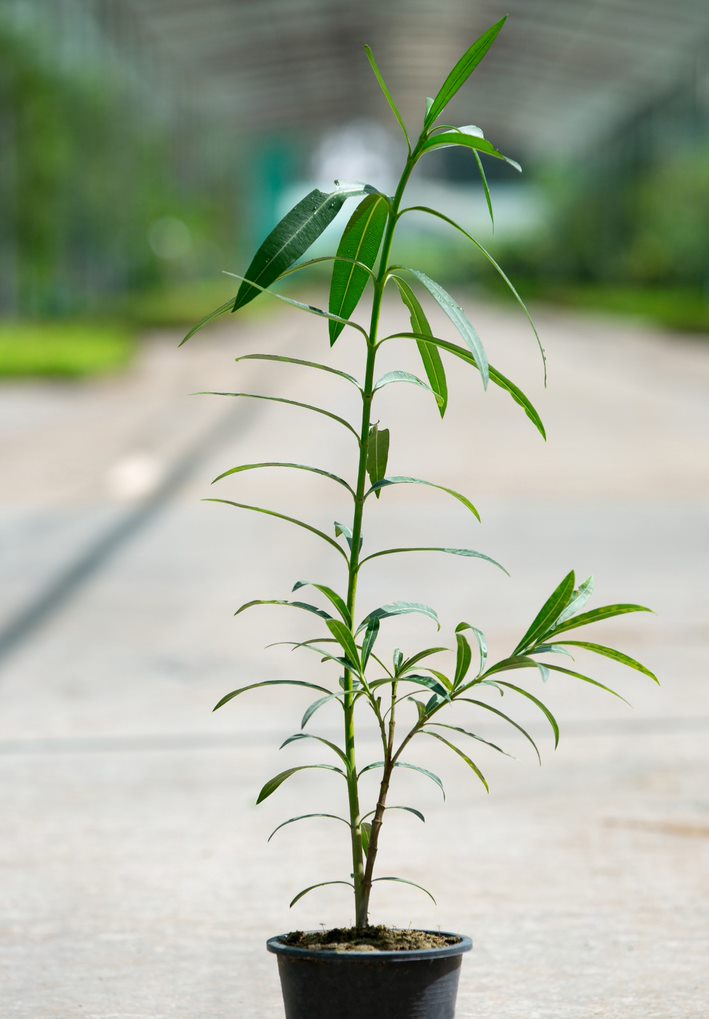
(361, 885)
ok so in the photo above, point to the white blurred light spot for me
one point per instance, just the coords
(133, 476)
(359, 151)
(170, 238)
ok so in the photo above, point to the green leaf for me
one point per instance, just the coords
(472, 735)
(269, 682)
(419, 657)
(298, 229)
(316, 705)
(403, 881)
(579, 598)
(291, 403)
(402, 376)
(310, 308)
(501, 714)
(292, 466)
(366, 830)
(410, 810)
(320, 884)
(343, 529)
(305, 817)
(535, 700)
(399, 608)
(587, 679)
(458, 138)
(223, 309)
(480, 641)
(459, 319)
(387, 94)
(320, 739)
(278, 780)
(344, 638)
(418, 680)
(493, 262)
(377, 453)
(462, 71)
(431, 359)
(519, 398)
(616, 656)
(464, 655)
(331, 595)
(412, 767)
(456, 750)
(281, 516)
(305, 606)
(300, 361)
(360, 240)
(398, 480)
(596, 615)
(370, 635)
(548, 614)
(469, 552)
(486, 188)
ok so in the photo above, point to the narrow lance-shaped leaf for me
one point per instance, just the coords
(613, 654)
(501, 714)
(387, 94)
(462, 71)
(281, 516)
(305, 817)
(360, 240)
(370, 635)
(468, 553)
(456, 750)
(298, 229)
(486, 187)
(405, 881)
(464, 655)
(291, 403)
(299, 361)
(398, 608)
(412, 767)
(332, 596)
(344, 638)
(278, 463)
(278, 780)
(596, 615)
(548, 614)
(430, 358)
(320, 884)
(459, 139)
(493, 262)
(459, 319)
(377, 453)
(268, 682)
(402, 480)
(535, 700)
(579, 598)
(402, 376)
(305, 606)
(298, 736)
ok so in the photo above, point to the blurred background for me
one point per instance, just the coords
(146, 146)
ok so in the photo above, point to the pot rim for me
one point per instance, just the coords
(464, 944)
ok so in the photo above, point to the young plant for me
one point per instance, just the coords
(408, 698)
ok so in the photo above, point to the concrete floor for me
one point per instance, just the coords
(135, 882)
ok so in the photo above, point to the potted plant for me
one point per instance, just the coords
(365, 970)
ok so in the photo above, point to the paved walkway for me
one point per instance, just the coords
(135, 882)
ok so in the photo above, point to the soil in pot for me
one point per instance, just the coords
(368, 939)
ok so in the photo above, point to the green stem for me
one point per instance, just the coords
(358, 870)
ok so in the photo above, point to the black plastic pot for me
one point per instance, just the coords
(419, 984)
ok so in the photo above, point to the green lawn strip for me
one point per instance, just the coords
(66, 349)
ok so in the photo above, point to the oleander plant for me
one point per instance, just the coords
(410, 696)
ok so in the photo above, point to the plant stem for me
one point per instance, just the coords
(361, 886)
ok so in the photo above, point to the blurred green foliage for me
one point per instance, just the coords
(86, 171)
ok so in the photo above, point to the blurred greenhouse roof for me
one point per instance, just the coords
(564, 73)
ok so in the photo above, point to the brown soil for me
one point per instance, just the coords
(370, 939)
